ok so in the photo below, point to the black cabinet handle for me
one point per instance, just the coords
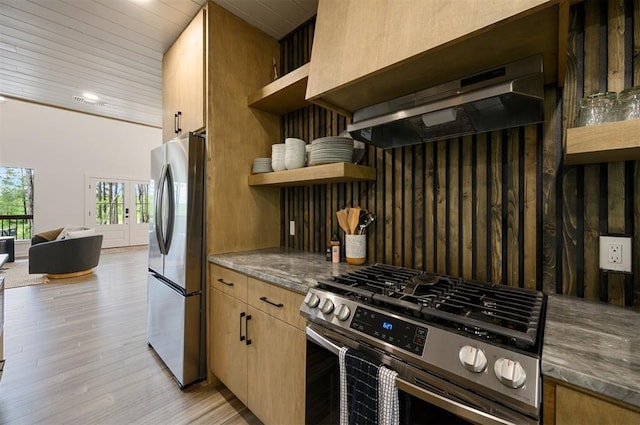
(178, 129)
(279, 305)
(247, 329)
(242, 338)
(221, 280)
(175, 123)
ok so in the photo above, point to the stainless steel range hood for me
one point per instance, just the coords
(503, 97)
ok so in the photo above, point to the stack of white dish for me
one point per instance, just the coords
(326, 150)
(277, 157)
(262, 165)
(295, 153)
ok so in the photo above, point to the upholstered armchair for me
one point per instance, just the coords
(75, 253)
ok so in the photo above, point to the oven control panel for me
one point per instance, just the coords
(391, 330)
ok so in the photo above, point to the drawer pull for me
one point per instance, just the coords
(221, 280)
(242, 337)
(279, 305)
(246, 325)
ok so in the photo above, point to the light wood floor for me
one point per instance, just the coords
(76, 353)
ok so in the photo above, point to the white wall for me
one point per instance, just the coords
(63, 148)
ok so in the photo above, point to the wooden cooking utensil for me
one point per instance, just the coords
(343, 220)
(354, 219)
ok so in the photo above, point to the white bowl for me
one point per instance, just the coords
(278, 166)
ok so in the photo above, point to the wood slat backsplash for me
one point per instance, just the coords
(499, 206)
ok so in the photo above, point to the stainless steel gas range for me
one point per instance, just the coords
(469, 348)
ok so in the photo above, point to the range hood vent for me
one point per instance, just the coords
(504, 97)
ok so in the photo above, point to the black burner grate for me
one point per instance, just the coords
(490, 311)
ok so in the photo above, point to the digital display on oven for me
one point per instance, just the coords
(388, 329)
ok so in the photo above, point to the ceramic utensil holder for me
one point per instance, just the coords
(356, 249)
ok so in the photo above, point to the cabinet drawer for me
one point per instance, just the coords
(276, 301)
(229, 282)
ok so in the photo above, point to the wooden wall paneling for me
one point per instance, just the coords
(569, 200)
(395, 210)
(570, 234)
(430, 209)
(590, 84)
(615, 82)
(388, 215)
(511, 243)
(453, 207)
(379, 205)
(530, 225)
(636, 229)
(408, 168)
(495, 234)
(480, 209)
(636, 172)
(334, 205)
(309, 221)
(419, 217)
(468, 219)
(441, 207)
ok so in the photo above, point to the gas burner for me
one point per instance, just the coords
(482, 309)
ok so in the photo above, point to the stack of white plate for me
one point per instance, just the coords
(277, 157)
(327, 150)
(295, 153)
(262, 165)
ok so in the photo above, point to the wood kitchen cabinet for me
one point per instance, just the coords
(367, 52)
(566, 404)
(258, 345)
(183, 81)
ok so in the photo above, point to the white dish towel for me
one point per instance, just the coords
(388, 403)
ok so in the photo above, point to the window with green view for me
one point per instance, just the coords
(16, 202)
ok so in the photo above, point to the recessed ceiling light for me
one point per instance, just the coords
(90, 96)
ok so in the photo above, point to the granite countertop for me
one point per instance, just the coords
(292, 269)
(592, 345)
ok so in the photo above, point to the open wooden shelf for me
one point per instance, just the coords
(284, 95)
(338, 172)
(608, 142)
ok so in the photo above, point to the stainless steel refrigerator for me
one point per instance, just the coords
(175, 293)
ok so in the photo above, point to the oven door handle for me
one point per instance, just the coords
(322, 341)
(465, 411)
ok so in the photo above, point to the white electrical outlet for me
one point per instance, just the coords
(292, 228)
(615, 253)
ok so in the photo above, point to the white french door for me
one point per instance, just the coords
(119, 210)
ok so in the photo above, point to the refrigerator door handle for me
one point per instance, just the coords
(172, 209)
(158, 208)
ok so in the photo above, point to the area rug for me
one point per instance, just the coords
(16, 274)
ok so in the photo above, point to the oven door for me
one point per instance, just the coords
(431, 398)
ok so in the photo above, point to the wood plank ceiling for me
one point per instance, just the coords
(54, 50)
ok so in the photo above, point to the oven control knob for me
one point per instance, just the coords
(343, 312)
(510, 372)
(472, 358)
(326, 306)
(312, 300)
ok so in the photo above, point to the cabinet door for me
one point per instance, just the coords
(228, 353)
(192, 74)
(183, 80)
(577, 407)
(170, 90)
(276, 369)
